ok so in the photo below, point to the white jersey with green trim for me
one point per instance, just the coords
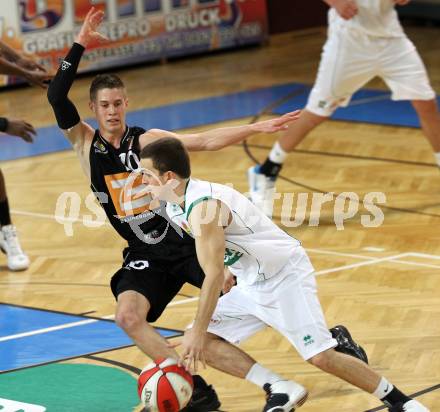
(256, 248)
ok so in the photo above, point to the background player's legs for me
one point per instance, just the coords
(9, 242)
(429, 116)
(403, 71)
(344, 68)
(262, 178)
(131, 314)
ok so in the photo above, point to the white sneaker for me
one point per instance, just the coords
(410, 406)
(284, 396)
(261, 190)
(9, 244)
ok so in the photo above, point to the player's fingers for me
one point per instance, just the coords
(89, 14)
(203, 359)
(196, 361)
(100, 37)
(26, 137)
(97, 18)
(29, 128)
(293, 114)
(188, 361)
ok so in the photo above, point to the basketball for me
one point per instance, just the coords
(163, 386)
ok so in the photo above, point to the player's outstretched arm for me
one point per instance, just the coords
(210, 247)
(216, 139)
(19, 128)
(66, 114)
(12, 62)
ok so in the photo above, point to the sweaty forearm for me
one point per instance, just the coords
(65, 112)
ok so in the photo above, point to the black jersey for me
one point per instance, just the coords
(119, 190)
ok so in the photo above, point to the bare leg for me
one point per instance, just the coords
(429, 116)
(227, 357)
(349, 369)
(131, 314)
(299, 129)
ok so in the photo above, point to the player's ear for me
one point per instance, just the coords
(92, 105)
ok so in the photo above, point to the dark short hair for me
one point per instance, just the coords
(105, 81)
(168, 154)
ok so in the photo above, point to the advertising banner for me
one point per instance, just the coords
(139, 30)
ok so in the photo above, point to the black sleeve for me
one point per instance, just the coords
(65, 112)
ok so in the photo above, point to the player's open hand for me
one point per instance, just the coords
(192, 345)
(37, 77)
(277, 124)
(347, 9)
(21, 129)
(28, 63)
(89, 30)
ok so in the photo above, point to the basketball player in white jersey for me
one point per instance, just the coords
(13, 63)
(276, 286)
(365, 40)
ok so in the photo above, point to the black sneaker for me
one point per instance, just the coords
(284, 396)
(204, 398)
(346, 344)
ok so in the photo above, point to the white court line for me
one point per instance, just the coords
(181, 302)
(356, 265)
(395, 260)
(424, 255)
(331, 252)
(46, 330)
(410, 263)
(78, 323)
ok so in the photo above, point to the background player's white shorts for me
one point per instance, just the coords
(351, 58)
(288, 302)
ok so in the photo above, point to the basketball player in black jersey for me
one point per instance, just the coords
(157, 261)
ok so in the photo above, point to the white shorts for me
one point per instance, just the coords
(351, 58)
(288, 302)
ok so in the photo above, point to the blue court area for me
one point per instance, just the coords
(26, 338)
(368, 106)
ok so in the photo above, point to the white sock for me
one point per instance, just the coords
(383, 389)
(277, 154)
(437, 158)
(259, 375)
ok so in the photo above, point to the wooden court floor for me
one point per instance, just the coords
(382, 282)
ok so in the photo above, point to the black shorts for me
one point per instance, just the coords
(159, 275)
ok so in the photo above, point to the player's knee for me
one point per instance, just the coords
(129, 320)
(323, 360)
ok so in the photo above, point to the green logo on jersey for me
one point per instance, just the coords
(308, 340)
(231, 256)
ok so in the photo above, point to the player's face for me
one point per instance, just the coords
(109, 108)
(161, 185)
